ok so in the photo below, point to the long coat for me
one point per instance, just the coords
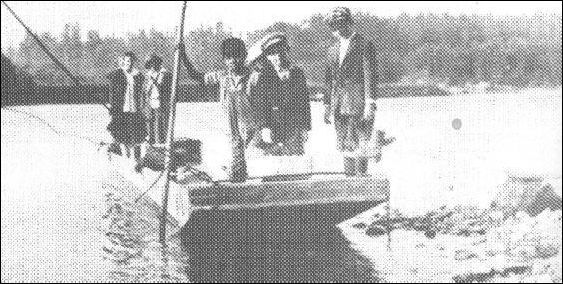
(164, 89)
(126, 127)
(353, 82)
(118, 85)
(350, 85)
(280, 105)
(289, 108)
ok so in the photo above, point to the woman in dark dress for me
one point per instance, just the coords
(127, 102)
(288, 97)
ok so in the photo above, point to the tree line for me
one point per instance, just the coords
(455, 50)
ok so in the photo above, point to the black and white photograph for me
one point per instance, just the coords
(281, 141)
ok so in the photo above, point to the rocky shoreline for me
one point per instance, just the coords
(516, 239)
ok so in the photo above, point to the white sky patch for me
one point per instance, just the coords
(121, 17)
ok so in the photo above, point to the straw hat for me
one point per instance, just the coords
(258, 48)
(273, 39)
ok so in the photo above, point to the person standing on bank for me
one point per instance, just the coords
(288, 98)
(158, 87)
(351, 82)
(244, 117)
(127, 125)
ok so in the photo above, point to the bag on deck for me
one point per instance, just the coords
(184, 151)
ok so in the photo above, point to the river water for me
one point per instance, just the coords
(65, 217)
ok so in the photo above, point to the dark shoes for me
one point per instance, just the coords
(114, 148)
(355, 166)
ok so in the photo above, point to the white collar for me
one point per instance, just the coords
(134, 72)
(340, 38)
(156, 73)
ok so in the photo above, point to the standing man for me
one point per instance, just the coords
(351, 83)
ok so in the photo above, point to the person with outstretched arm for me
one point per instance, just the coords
(241, 104)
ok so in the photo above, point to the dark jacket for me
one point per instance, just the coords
(165, 91)
(118, 85)
(257, 87)
(351, 83)
(288, 106)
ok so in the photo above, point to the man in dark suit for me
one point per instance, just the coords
(351, 85)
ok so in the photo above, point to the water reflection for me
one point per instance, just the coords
(131, 245)
(266, 246)
(307, 261)
(232, 248)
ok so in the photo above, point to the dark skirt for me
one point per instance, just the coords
(128, 128)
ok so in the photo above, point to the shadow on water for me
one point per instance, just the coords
(270, 246)
(270, 261)
(235, 246)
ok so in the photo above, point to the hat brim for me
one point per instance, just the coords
(254, 52)
(275, 42)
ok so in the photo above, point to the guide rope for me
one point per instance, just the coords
(100, 144)
(32, 117)
(47, 51)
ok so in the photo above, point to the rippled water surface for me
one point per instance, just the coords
(65, 217)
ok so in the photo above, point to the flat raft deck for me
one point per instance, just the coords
(299, 204)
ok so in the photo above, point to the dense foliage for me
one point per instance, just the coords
(521, 51)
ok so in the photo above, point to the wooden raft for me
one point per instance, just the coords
(327, 198)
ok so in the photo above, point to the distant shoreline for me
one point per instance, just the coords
(97, 94)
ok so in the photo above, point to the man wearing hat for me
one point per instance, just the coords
(351, 85)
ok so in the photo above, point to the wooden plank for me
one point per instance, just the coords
(289, 193)
(271, 224)
(253, 195)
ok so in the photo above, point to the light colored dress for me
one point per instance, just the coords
(157, 91)
(234, 127)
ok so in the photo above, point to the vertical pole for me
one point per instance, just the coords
(389, 228)
(389, 224)
(170, 133)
